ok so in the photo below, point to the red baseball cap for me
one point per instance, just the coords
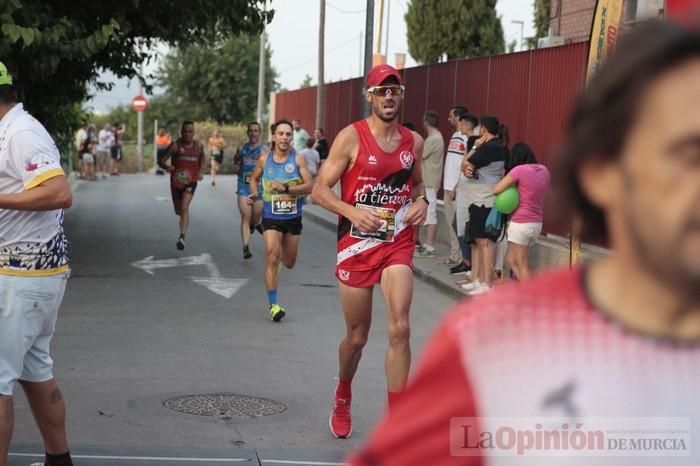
(379, 73)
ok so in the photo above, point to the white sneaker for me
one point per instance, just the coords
(471, 286)
(483, 289)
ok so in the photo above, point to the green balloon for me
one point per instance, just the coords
(507, 201)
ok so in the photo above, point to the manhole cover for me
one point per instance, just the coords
(224, 405)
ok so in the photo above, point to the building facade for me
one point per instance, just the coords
(571, 20)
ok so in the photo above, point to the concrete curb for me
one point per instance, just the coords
(424, 275)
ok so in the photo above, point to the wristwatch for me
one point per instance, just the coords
(425, 199)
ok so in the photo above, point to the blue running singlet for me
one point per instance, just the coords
(281, 206)
(249, 158)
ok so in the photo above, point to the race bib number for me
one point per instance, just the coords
(284, 204)
(183, 177)
(385, 233)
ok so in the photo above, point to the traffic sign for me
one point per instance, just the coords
(139, 103)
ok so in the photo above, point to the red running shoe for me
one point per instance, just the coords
(340, 421)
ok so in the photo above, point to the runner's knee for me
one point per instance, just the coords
(357, 338)
(273, 257)
(399, 333)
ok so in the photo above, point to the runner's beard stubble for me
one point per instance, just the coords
(377, 109)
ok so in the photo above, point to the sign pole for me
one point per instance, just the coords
(139, 131)
(607, 17)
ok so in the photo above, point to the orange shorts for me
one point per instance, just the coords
(370, 277)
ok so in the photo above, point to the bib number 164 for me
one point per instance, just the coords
(284, 204)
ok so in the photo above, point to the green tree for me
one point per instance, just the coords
(215, 82)
(55, 48)
(540, 21)
(306, 82)
(453, 27)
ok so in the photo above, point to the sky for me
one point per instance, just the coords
(293, 38)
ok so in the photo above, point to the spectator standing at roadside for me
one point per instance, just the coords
(433, 148)
(525, 225)
(80, 137)
(313, 159)
(455, 153)
(116, 149)
(484, 165)
(105, 140)
(467, 125)
(300, 135)
(321, 144)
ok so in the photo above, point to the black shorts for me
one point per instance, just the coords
(477, 221)
(293, 226)
(219, 158)
(178, 191)
(116, 152)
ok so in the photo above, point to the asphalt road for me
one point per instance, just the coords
(128, 341)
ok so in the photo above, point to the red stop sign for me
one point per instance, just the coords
(139, 103)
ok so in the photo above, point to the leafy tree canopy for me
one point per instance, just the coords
(454, 27)
(540, 21)
(54, 48)
(215, 81)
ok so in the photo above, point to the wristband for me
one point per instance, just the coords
(422, 196)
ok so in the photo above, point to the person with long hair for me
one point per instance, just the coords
(532, 180)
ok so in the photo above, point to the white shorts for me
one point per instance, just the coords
(28, 311)
(431, 196)
(463, 200)
(88, 158)
(524, 234)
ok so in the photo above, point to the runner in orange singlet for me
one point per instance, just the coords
(378, 163)
(186, 165)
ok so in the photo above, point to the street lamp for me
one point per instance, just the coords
(522, 26)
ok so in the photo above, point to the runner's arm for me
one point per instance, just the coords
(168, 153)
(202, 161)
(308, 184)
(237, 160)
(339, 159)
(418, 185)
(418, 211)
(52, 194)
(255, 176)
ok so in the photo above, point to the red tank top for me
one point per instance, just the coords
(186, 163)
(381, 181)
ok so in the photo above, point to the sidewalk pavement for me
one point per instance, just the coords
(430, 270)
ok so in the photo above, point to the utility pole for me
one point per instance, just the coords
(522, 26)
(320, 88)
(369, 34)
(261, 75)
(261, 78)
(380, 24)
(155, 142)
(139, 123)
(360, 62)
(386, 38)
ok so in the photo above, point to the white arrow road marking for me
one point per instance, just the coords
(226, 287)
(161, 198)
(215, 283)
(149, 264)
